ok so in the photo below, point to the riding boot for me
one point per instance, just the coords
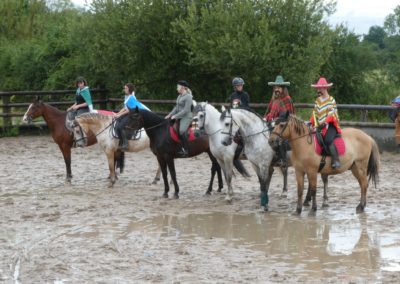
(282, 159)
(334, 156)
(123, 141)
(184, 152)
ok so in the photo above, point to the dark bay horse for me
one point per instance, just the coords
(361, 157)
(55, 120)
(165, 149)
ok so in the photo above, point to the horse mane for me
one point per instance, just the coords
(298, 124)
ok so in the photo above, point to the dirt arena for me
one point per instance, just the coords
(51, 232)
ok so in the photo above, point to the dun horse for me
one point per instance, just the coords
(165, 149)
(361, 157)
(55, 120)
(89, 126)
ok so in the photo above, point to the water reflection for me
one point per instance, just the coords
(318, 246)
(341, 246)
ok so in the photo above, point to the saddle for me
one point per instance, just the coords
(192, 134)
(322, 149)
(132, 134)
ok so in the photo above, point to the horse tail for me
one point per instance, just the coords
(121, 161)
(241, 169)
(373, 164)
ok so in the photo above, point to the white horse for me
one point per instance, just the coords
(207, 119)
(253, 130)
(101, 126)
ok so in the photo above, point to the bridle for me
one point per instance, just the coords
(280, 135)
(202, 128)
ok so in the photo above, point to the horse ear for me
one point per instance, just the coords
(222, 108)
(287, 114)
(194, 103)
(37, 99)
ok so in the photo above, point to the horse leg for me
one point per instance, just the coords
(361, 176)
(325, 181)
(163, 165)
(312, 183)
(264, 192)
(215, 168)
(308, 197)
(284, 189)
(157, 177)
(300, 188)
(171, 168)
(111, 167)
(66, 152)
(227, 165)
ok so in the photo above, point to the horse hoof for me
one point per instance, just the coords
(284, 195)
(306, 203)
(298, 211)
(165, 195)
(228, 199)
(219, 190)
(154, 181)
(208, 193)
(324, 205)
(265, 208)
(312, 212)
(176, 196)
(360, 209)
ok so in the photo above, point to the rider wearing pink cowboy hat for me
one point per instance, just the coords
(325, 118)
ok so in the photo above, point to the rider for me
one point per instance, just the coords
(239, 98)
(130, 102)
(83, 99)
(183, 112)
(325, 118)
(279, 104)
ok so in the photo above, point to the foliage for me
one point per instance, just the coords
(154, 43)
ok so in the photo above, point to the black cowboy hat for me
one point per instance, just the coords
(183, 83)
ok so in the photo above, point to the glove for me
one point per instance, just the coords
(322, 126)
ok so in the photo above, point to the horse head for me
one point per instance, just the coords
(199, 115)
(228, 127)
(135, 120)
(80, 137)
(35, 110)
(279, 130)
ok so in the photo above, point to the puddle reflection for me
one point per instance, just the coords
(311, 244)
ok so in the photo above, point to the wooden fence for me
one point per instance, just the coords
(101, 100)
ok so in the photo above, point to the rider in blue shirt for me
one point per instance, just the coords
(130, 102)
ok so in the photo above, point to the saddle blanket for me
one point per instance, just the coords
(339, 143)
(175, 135)
(105, 112)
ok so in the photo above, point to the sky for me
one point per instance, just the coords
(358, 15)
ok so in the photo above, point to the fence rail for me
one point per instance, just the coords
(102, 100)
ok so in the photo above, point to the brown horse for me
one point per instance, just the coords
(361, 157)
(55, 120)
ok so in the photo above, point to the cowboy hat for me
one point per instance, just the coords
(279, 82)
(322, 83)
(183, 83)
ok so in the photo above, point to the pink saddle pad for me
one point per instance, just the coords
(339, 143)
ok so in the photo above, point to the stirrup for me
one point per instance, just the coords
(183, 153)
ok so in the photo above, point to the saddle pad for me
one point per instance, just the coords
(339, 143)
(175, 135)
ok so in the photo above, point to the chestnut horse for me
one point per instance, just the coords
(397, 129)
(361, 157)
(55, 120)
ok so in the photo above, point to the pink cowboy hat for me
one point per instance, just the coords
(322, 83)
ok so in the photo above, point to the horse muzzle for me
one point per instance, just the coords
(27, 119)
(274, 143)
(227, 142)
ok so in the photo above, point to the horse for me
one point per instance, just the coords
(55, 120)
(253, 130)
(207, 118)
(397, 129)
(361, 157)
(94, 125)
(165, 148)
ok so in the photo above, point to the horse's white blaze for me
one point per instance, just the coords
(25, 118)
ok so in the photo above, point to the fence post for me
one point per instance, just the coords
(6, 110)
(364, 115)
(103, 97)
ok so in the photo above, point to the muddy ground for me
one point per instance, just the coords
(51, 232)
